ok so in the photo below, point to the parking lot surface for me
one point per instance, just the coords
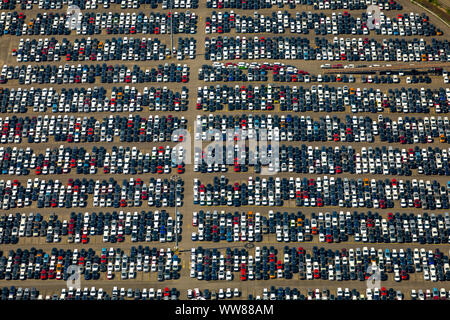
(111, 159)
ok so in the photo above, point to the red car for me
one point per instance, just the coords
(319, 202)
(404, 275)
(279, 265)
(417, 203)
(316, 274)
(336, 137)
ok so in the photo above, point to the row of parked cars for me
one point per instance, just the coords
(346, 294)
(96, 4)
(321, 98)
(144, 226)
(96, 99)
(355, 49)
(67, 160)
(76, 193)
(318, 264)
(64, 74)
(386, 79)
(206, 294)
(288, 293)
(158, 192)
(292, 4)
(430, 294)
(126, 4)
(71, 293)
(370, 227)
(315, 160)
(272, 293)
(243, 72)
(125, 49)
(322, 191)
(355, 4)
(91, 23)
(303, 159)
(133, 128)
(304, 22)
(407, 130)
(59, 264)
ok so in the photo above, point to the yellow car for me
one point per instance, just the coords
(366, 182)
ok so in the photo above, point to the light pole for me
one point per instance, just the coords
(174, 178)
